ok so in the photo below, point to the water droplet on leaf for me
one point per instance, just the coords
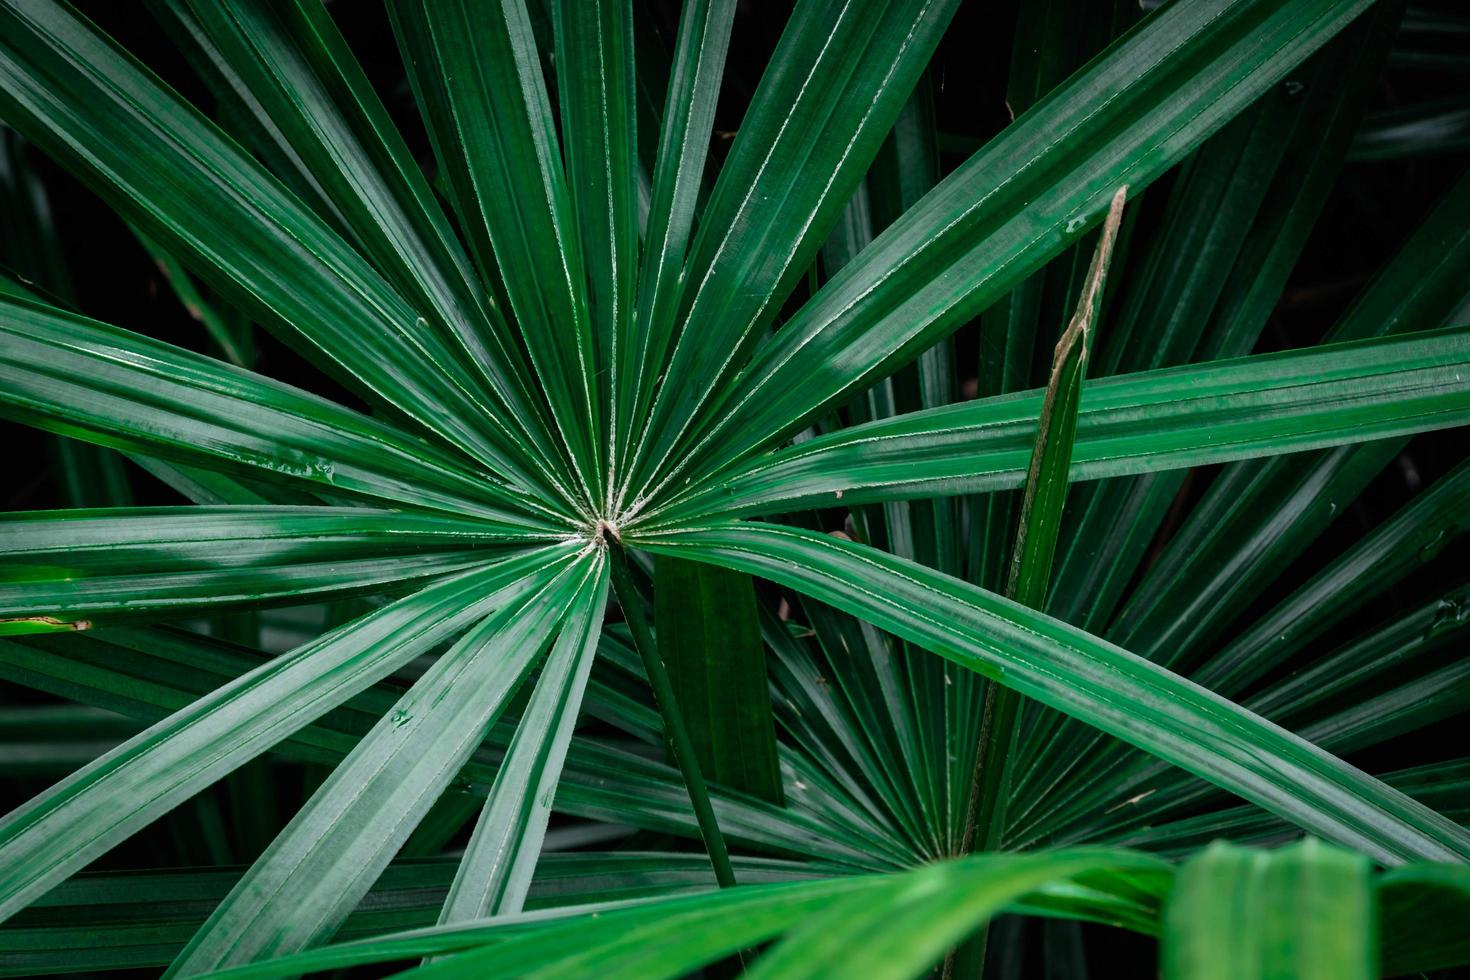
(1451, 612)
(1433, 546)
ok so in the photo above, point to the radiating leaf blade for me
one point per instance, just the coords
(91, 564)
(495, 874)
(834, 87)
(316, 870)
(173, 174)
(497, 137)
(596, 88)
(292, 58)
(1090, 679)
(1264, 404)
(1122, 120)
(683, 147)
(60, 831)
(88, 379)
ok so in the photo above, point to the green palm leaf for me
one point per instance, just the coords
(167, 561)
(1305, 911)
(378, 653)
(60, 831)
(1057, 665)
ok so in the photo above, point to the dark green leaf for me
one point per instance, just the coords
(316, 870)
(175, 176)
(1090, 679)
(111, 386)
(1122, 120)
(106, 564)
(495, 873)
(497, 140)
(1174, 418)
(710, 639)
(60, 831)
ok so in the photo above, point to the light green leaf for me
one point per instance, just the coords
(1306, 912)
(92, 922)
(671, 938)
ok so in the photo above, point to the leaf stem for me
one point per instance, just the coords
(675, 733)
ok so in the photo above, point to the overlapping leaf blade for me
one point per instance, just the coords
(495, 873)
(69, 374)
(1089, 679)
(313, 874)
(61, 830)
(477, 63)
(1123, 120)
(1231, 548)
(834, 87)
(172, 173)
(92, 921)
(1173, 418)
(150, 674)
(293, 60)
(683, 147)
(672, 938)
(500, 436)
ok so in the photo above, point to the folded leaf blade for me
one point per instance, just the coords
(1306, 911)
